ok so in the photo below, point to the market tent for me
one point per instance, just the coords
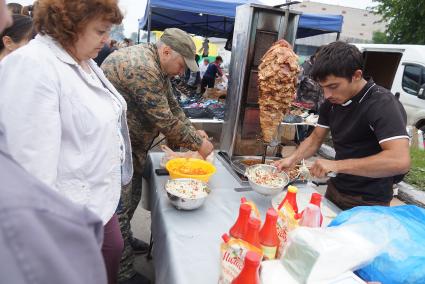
(315, 24)
(215, 18)
(210, 18)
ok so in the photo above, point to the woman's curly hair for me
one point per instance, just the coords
(63, 20)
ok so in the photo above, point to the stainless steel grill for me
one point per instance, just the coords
(256, 28)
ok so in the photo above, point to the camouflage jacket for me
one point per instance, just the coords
(152, 108)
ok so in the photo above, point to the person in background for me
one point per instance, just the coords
(17, 35)
(194, 77)
(141, 73)
(213, 70)
(113, 45)
(67, 126)
(43, 235)
(309, 94)
(104, 52)
(203, 67)
(14, 8)
(29, 10)
(205, 49)
(309, 91)
(368, 127)
(128, 42)
(5, 18)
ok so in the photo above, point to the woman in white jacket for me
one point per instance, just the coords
(62, 119)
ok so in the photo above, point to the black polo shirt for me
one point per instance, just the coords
(358, 127)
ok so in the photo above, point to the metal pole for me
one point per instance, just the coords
(138, 35)
(207, 25)
(338, 35)
(149, 21)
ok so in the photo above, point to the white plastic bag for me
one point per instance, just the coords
(320, 254)
(170, 154)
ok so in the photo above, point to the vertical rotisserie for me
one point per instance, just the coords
(277, 81)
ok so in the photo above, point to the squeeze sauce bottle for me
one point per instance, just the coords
(315, 199)
(252, 234)
(239, 228)
(291, 198)
(249, 273)
(268, 235)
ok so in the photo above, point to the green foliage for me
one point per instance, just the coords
(405, 18)
(380, 37)
(416, 176)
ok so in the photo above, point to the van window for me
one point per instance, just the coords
(413, 78)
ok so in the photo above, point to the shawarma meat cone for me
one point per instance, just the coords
(277, 80)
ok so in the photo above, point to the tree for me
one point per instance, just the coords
(380, 37)
(117, 32)
(405, 18)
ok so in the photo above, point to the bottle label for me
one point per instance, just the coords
(269, 252)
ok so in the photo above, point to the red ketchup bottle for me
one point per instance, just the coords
(268, 235)
(291, 198)
(239, 228)
(315, 199)
(252, 234)
(249, 273)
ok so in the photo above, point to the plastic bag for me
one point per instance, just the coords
(403, 257)
(216, 110)
(170, 154)
(290, 118)
(321, 254)
(197, 112)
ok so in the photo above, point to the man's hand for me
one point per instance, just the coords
(287, 163)
(206, 148)
(202, 133)
(322, 167)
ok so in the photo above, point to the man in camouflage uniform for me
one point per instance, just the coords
(141, 74)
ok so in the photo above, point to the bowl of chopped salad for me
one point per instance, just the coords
(190, 168)
(187, 193)
(266, 179)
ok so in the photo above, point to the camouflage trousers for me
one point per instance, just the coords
(130, 198)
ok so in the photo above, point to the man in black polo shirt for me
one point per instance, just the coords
(368, 127)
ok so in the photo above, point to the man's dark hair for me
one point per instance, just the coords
(338, 58)
(218, 58)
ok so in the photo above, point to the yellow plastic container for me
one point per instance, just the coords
(190, 168)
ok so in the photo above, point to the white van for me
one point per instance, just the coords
(401, 69)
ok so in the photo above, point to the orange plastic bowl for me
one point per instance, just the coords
(190, 168)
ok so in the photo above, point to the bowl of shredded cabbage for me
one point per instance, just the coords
(266, 179)
(187, 193)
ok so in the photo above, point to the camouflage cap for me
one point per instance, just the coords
(182, 43)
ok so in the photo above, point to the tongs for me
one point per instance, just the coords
(305, 172)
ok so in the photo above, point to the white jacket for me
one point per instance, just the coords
(62, 127)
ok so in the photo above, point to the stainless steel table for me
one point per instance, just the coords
(187, 243)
